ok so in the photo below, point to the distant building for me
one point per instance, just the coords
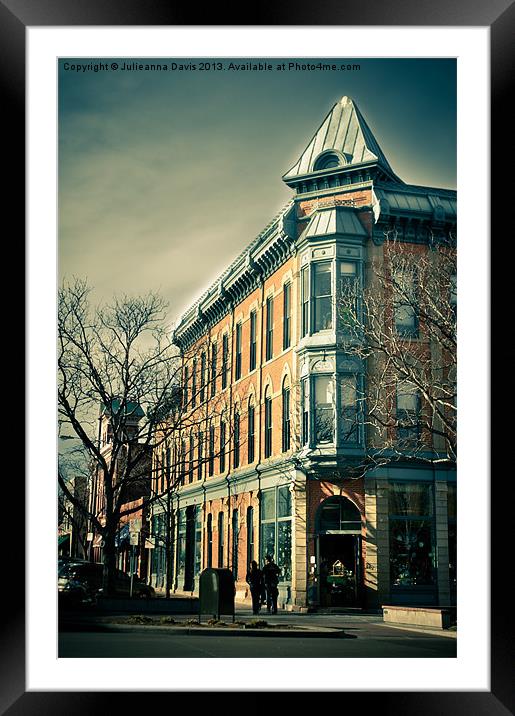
(134, 494)
(267, 464)
(72, 523)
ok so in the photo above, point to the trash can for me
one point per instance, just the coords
(216, 593)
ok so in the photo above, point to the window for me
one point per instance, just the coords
(286, 315)
(163, 469)
(168, 468)
(183, 462)
(213, 370)
(190, 461)
(453, 297)
(305, 300)
(186, 386)
(200, 455)
(324, 408)
(238, 352)
(305, 410)
(406, 318)
(181, 542)
(340, 514)
(202, 376)
(322, 297)
(211, 463)
(222, 446)
(252, 352)
(451, 517)
(269, 327)
(250, 534)
(286, 417)
(225, 360)
(412, 550)
(251, 433)
(268, 423)
(408, 414)
(220, 539)
(209, 545)
(347, 294)
(235, 527)
(276, 528)
(194, 383)
(349, 409)
(236, 438)
(327, 161)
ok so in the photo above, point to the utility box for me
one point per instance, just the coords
(216, 593)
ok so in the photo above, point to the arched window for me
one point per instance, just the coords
(220, 539)
(286, 431)
(251, 430)
(338, 514)
(209, 555)
(236, 437)
(327, 161)
(268, 422)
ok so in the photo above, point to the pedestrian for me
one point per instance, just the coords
(255, 582)
(271, 574)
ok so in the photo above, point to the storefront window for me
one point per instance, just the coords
(181, 538)
(451, 515)
(198, 541)
(276, 528)
(412, 547)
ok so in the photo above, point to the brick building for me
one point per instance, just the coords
(134, 495)
(267, 465)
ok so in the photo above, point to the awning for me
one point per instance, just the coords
(62, 539)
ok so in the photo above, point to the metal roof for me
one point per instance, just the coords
(344, 131)
(335, 220)
(418, 199)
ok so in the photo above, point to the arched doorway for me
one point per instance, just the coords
(338, 528)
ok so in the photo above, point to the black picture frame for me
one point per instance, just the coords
(499, 16)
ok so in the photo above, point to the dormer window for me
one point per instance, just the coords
(327, 161)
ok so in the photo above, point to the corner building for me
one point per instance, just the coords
(267, 465)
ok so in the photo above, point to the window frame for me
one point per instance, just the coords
(286, 315)
(269, 343)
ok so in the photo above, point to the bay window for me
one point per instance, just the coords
(322, 297)
(349, 409)
(347, 294)
(324, 408)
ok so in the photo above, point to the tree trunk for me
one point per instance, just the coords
(109, 562)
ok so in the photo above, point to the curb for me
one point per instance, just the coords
(307, 633)
(421, 630)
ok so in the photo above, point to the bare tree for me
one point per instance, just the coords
(119, 358)
(401, 329)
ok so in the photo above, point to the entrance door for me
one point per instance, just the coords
(339, 571)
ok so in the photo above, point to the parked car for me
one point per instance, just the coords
(81, 583)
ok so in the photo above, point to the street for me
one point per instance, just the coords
(371, 639)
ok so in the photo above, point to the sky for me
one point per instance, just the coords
(166, 176)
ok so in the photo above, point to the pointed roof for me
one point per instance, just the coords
(335, 220)
(345, 133)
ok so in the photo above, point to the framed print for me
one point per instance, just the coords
(39, 41)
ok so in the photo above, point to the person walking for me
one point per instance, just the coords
(255, 582)
(271, 573)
